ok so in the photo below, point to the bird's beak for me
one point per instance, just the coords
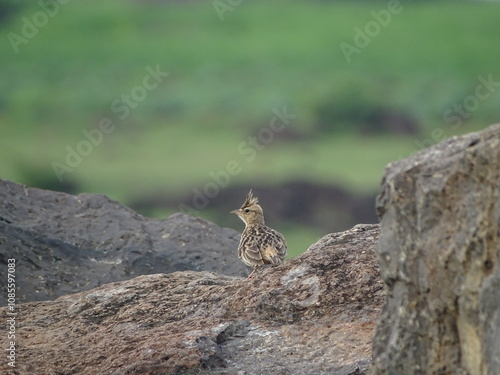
(236, 212)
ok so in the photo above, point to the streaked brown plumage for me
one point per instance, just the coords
(259, 244)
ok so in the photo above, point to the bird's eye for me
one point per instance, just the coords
(247, 210)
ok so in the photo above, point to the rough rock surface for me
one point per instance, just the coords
(439, 251)
(69, 243)
(313, 315)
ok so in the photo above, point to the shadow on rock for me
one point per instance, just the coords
(68, 243)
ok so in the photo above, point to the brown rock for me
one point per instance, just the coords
(313, 315)
(439, 249)
(69, 243)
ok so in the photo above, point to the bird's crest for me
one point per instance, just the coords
(250, 200)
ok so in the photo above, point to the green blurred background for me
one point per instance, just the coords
(413, 80)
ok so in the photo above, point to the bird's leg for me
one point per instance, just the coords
(254, 269)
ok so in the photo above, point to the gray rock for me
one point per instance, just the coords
(439, 249)
(65, 243)
(313, 315)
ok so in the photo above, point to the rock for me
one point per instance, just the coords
(65, 243)
(439, 253)
(313, 315)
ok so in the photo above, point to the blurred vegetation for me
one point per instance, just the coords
(225, 78)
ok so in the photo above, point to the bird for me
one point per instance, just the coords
(259, 244)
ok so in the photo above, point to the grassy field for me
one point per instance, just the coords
(225, 78)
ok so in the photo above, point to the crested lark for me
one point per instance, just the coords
(259, 244)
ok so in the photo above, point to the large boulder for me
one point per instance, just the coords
(68, 243)
(439, 256)
(313, 315)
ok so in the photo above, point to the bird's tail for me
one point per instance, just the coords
(276, 260)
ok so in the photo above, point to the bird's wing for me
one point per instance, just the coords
(249, 252)
(274, 248)
(281, 248)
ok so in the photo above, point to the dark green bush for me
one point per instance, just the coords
(361, 107)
